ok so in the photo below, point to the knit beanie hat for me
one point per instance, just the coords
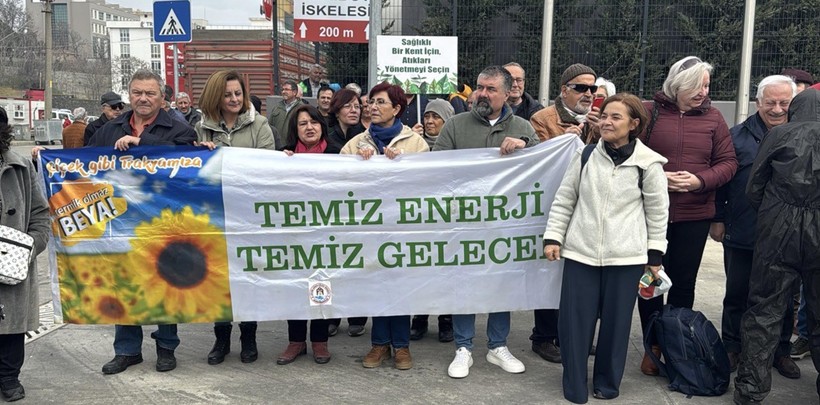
(442, 108)
(574, 71)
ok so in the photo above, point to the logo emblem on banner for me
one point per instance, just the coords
(320, 293)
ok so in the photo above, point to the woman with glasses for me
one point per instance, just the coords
(229, 119)
(694, 138)
(387, 136)
(345, 115)
(307, 133)
(344, 124)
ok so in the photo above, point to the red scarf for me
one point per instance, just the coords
(318, 148)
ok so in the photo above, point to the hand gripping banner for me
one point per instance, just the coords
(183, 234)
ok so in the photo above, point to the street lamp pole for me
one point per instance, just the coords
(49, 59)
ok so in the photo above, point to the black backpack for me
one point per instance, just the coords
(695, 361)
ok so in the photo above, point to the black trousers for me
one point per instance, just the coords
(297, 330)
(774, 279)
(442, 320)
(12, 354)
(738, 266)
(546, 326)
(684, 251)
(586, 292)
(359, 320)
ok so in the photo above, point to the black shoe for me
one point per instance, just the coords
(332, 329)
(222, 346)
(548, 351)
(734, 360)
(358, 330)
(445, 333)
(597, 394)
(12, 391)
(165, 360)
(787, 367)
(120, 363)
(418, 331)
(249, 353)
(741, 400)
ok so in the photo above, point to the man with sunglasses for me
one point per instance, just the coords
(112, 107)
(572, 112)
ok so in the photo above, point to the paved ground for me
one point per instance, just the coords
(63, 366)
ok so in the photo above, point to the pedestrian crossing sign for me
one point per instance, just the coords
(172, 21)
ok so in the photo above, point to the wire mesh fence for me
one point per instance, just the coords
(631, 43)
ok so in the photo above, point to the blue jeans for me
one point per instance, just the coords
(393, 330)
(128, 338)
(498, 328)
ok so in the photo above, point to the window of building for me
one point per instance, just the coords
(156, 51)
(19, 112)
(125, 35)
(59, 24)
(156, 66)
(125, 50)
(107, 17)
(125, 68)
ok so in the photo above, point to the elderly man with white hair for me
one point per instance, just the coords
(735, 220)
(73, 134)
(184, 105)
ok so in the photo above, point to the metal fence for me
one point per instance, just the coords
(632, 43)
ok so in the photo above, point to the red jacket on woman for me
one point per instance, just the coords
(697, 141)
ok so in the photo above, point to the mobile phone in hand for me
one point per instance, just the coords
(597, 102)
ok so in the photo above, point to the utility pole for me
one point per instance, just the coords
(49, 59)
(375, 31)
(274, 16)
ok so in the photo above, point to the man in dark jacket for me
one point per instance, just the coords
(734, 223)
(192, 116)
(784, 187)
(112, 107)
(145, 124)
(521, 102)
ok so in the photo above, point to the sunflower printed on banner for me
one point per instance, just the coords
(139, 237)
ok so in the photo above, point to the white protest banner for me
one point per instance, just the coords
(164, 235)
(420, 65)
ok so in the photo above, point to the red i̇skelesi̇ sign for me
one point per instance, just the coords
(331, 20)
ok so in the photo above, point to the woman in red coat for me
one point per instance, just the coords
(694, 138)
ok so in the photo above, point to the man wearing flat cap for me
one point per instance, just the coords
(112, 107)
(572, 112)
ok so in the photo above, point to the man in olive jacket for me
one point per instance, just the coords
(490, 124)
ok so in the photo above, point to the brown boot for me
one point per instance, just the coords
(402, 359)
(377, 354)
(294, 350)
(647, 366)
(320, 353)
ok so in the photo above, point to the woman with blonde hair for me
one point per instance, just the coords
(229, 119)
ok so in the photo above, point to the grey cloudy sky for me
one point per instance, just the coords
(217, 12)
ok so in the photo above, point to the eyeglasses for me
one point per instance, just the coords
(583, 88)
(287, 89)
(120, 106)
(689, 63)
(349, 106)
(378, 101)
(518, 80)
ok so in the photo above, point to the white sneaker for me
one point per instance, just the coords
(460, 367)
(501, 356)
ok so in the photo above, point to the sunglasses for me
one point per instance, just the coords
(119, 106)
(582, 88)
